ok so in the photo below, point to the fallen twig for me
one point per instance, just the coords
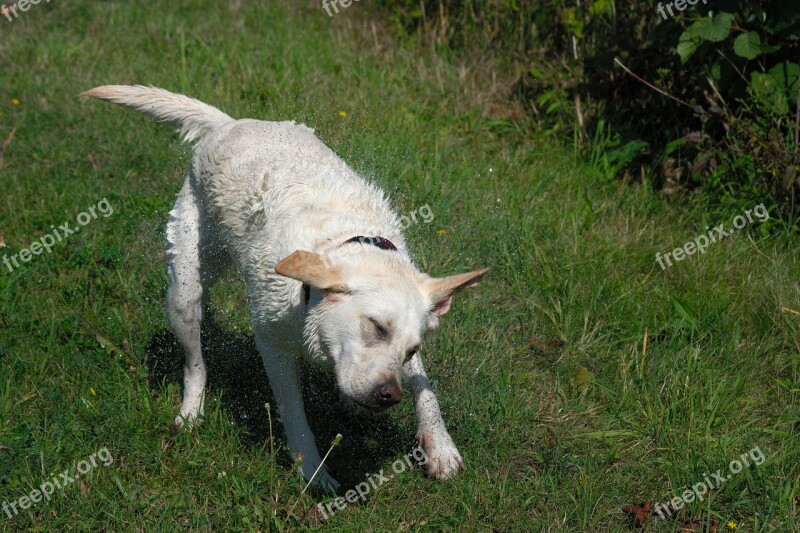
(5, 145)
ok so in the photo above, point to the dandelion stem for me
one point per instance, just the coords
(336, 440)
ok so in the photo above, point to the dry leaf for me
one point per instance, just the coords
(536, 343)
(546, 348)
(555, 342)
(698, 525)
(639, 513)
(5, 145)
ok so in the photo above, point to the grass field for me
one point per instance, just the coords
(579, 378)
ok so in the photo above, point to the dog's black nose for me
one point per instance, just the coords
(388, 394)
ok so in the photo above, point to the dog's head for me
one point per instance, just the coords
(372, 315)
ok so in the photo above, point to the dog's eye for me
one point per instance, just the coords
(382, 332)
(411, 352)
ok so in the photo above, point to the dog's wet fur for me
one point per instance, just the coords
(273, 200)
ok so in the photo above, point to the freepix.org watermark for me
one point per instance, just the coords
(374, 482)
(702, 242)
(47, 241)
(22, 5)
(425, 213)
(328, 4)
(680, 5)
(700, 489)
(61, 481)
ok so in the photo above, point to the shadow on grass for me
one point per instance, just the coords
(237, 377)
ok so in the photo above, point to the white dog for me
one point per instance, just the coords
(324, 260)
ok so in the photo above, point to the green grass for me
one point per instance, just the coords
(688, 367)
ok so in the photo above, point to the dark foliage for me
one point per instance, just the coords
(707, 97)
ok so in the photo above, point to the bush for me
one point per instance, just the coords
(705, 98)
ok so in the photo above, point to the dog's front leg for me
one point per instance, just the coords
(281, 366)
(443, 460)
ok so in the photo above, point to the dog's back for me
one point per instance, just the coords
(262, 175)
(258, 176)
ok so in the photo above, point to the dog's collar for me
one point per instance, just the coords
(380, 242)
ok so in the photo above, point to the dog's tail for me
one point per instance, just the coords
(193, 118)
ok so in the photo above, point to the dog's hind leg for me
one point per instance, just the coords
(185, 297)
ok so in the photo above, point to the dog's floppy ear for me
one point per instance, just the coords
(312, 269)
(441, 290)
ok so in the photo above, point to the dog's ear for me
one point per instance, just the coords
(312, 269)
(441, 290)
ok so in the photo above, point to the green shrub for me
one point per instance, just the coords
(710, 98)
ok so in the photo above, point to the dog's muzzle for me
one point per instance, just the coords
(387, 394)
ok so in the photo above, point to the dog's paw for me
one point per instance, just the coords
(326, 481)
(180, 422)
(191, 412)
(186, 422)
(318, 477)
(442, 460)
(323, 481)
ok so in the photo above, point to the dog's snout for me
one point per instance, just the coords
(388, 394)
